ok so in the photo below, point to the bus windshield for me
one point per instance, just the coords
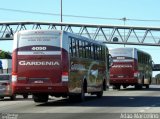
(122, 52)
(38, 43)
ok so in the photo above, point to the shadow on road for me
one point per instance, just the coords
(110, 101)
(143, 89)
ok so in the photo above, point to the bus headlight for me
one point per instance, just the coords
(14, 78)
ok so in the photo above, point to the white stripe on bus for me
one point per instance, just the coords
(39, 53)
(126, 60)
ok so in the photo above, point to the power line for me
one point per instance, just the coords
(53, 14)
(77, 16)
(31, 12)
(144, 20)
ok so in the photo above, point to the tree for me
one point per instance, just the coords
(5, 55)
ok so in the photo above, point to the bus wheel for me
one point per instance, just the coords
(77, 97)
(114, 87)
(81, 96)
(13, 97)
(25, 96)
(73, 97)
(40, 98)
(138, 86)
(99, 94)
(1, 98)
(118, 87)
(147, 86)
(104, 86)
(124, 86)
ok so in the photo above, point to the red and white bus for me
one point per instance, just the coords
(58, 63)
(130, 67)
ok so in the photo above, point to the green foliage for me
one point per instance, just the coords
(5, 55)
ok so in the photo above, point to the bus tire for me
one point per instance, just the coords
(138, 86)
(1, 98)
(99, 94)
(124, 86)
(13, 97)
(114, 87)
(150, 81)
(118, 87)
(81, 96)
(104, 85)
(40, 98)
(77, 97)
(147, 86)
(25, 96)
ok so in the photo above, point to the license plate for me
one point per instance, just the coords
(120, 76)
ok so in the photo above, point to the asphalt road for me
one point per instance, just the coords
(122, 104)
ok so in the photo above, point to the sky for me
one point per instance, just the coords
(118, 9)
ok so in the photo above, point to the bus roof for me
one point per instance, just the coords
(68, 34)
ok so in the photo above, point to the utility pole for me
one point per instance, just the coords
(124, 20)
(61, 14)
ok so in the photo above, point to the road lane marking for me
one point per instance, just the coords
(147, 108)
(142, 110)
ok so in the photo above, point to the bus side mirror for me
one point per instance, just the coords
(110, 61)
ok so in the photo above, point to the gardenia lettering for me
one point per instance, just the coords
(39, 63)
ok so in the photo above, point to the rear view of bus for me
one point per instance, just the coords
(37, 65)
(130, 67)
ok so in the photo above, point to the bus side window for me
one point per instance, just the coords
(80, 48)
(100, 53)
(74, 47)
(77, 48)
(87, 49)
(103, 54)
(83, 49)
(71, 47)
(92, 51)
